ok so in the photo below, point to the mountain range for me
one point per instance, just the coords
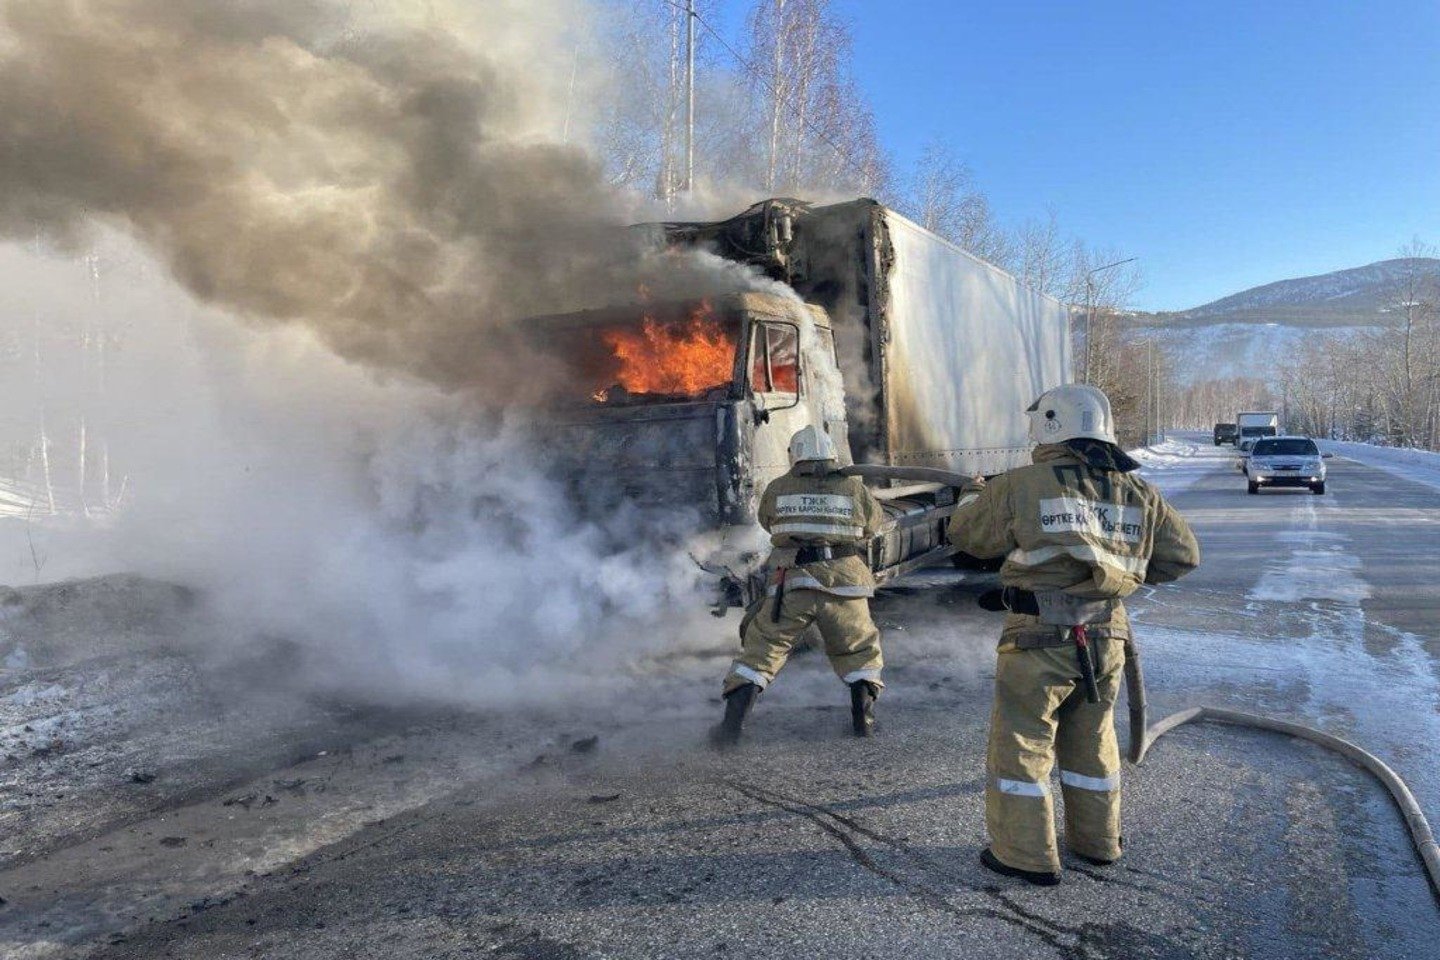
(1231, 336)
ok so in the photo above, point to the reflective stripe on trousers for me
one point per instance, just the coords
(1099, 784)
(1022, 788)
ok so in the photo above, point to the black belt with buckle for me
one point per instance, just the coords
(1013, 599)
(804, 555)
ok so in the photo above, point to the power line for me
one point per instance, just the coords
(750, 68)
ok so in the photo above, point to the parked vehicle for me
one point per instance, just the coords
(1285, 462)
(1226, 433)
(1257, 424)
(917, 357)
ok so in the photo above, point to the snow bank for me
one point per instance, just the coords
(1422, 466)
(1166, 453)
(1171, 464)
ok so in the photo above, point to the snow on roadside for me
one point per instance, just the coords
(1172, 464)
(1422, 466)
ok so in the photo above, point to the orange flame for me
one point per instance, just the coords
(687, 357)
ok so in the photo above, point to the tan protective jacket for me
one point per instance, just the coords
(1062, 524)
(806, 509)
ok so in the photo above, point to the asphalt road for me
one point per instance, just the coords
(809, 843)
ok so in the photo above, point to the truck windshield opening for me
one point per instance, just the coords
(656, 356)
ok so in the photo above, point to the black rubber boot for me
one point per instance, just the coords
(1037, 877)
(1096, 861)
(862, 707)
(737, 707)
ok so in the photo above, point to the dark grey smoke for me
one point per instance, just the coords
(383, 179)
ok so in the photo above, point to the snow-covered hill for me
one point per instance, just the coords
(1244, 333)
(1367, 295)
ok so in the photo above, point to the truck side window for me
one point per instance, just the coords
(827, 342)
(783, 350)
(759, 365)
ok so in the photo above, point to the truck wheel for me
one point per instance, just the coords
(1318, 488)
(1252, 487)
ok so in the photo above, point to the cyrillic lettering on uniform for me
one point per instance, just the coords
(1092, 519)
(830, 505)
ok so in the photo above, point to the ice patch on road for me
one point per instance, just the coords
(33, 693)
(17, 659)
(1320, 567)
(1314, 575)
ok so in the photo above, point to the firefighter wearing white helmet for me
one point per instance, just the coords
(820, 523)
(1079, 531)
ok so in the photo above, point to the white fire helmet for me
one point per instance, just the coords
(810, 444)
(1071, 411)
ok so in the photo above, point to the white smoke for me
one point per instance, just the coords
(377, 190)
(402, 542)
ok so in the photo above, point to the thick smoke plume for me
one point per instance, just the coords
(382, 183)
(389, 175)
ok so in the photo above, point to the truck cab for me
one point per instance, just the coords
(691, 404)
(688, 407)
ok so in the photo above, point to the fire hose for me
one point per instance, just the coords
(1143, 738)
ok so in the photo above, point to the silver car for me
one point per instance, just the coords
(1285, 462)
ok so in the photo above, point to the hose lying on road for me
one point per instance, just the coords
(1420, 833)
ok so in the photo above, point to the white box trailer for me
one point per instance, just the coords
(941, 352)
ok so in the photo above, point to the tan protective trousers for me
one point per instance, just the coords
(852, 641)
(1041, 715)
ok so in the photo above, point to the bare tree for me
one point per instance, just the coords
(820, 133)
(1415, 301)
(945, 199)
(1041, 256)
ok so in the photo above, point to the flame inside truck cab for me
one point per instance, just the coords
(687, 357)
(644, 354)
(671, 352)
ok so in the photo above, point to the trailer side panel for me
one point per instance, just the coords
(967, 348)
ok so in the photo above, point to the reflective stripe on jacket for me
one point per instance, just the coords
(803, 509)
(1062, 524)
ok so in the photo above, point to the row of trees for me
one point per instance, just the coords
(1379, 384)
(781, 114)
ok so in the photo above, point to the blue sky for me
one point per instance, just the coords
(1225, 144)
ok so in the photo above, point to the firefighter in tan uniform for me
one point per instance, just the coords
(820, 523)
(1079, 531)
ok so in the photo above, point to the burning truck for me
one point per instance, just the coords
(915, 356)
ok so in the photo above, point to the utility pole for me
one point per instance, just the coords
(1090, 313)
(689, 96)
